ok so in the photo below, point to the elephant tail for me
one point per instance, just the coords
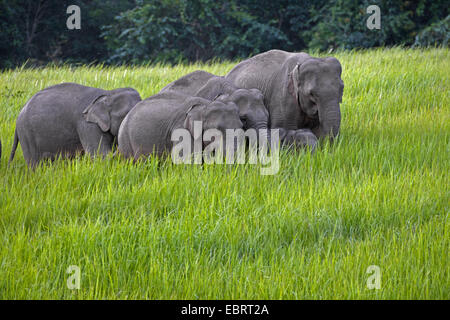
(14, 147)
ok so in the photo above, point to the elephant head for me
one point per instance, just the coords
(216, 114)
(108, 110)
(250, 102)
(252, 110)
(317, 86)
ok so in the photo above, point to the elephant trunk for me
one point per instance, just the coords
(261, 125)
(329, 121)
(262, 131)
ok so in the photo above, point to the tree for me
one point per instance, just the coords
(163, 30)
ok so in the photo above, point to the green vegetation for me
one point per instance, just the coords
(378, 196)
(139, 31)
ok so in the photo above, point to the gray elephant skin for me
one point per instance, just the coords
(148, 128)
(300, 91)
(252, 108)
(68, 119)
(206, 85)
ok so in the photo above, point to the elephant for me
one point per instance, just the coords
(300, 91)
(69, 118)
(190, 83)
(206, 85)
(148, 128)
(252, 110)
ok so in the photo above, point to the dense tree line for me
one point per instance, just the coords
(136, 31)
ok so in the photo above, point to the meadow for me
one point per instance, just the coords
(155, 230)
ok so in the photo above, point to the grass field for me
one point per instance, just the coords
(378, 196)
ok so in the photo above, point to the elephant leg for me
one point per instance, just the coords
(103, 146)
(30, 149)
(94, 141)
(33, 157)
(124, 147)
(300, 138)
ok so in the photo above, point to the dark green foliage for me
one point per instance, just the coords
(127, 31)
(87, 44)
(342, 23)
(436, 34)
(171, 30)
(35, 30)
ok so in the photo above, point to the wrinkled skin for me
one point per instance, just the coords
(203, 84)
(148, 128)
(189, 84)
(68, 118)
(300, 92)
(252, 111)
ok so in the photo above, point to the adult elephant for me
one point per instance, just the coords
(299, 91)
(69, 118)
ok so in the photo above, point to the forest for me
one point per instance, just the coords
(116, 32)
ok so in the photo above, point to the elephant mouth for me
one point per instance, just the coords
(312, 121)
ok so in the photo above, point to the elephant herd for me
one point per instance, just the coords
(298, 94)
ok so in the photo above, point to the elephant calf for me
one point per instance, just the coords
(148, 128)
(69, 118)
(206, 85)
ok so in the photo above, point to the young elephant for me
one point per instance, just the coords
(148, 128)
(206, 85)
(69, 118)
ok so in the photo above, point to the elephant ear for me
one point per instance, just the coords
(194, 113)
(221, 97)
(99, 112)
(293, 83)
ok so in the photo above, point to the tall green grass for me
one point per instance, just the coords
(155, 230)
